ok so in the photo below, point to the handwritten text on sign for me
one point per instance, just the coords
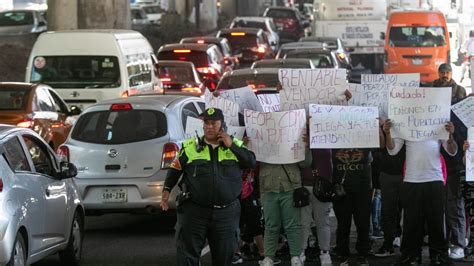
(229, 109)
(334, 126)
(276, 137)
(470, 156)
(270, 102)
(244, 96)
(464, 110)
(304, 86)
(375, 88)
(419, 113)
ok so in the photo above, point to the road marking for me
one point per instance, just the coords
(205, 250)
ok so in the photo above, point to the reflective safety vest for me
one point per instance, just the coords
(223, 154)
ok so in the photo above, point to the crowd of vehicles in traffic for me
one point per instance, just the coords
(106, 156)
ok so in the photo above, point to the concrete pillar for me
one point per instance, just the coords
(228, 7)
(62, 14)
(103, 14)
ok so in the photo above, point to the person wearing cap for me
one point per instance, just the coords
(455, 214)
(208, 207)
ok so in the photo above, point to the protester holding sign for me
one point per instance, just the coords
(423, 194)
(455, 214)
(277, 183)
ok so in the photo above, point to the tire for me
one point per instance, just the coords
(18, 256)
(73, 253)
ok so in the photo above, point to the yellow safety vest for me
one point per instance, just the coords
(189, 147)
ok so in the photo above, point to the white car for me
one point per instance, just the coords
(264, 23)
(153, 13)
(40, 209)
(119, 147)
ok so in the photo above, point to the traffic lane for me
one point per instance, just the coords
(125, 239)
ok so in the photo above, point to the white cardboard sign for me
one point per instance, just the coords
(334, 127)
(270, 102)
(229, 109)
(276, 137)
(194, 125)
(318, 86)
(464, 110)
(244, 96)
(470, 156)
(419, 114)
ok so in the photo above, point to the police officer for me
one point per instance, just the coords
(212, 180)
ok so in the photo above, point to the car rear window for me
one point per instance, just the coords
(118, 127)
(320, 60)
(282, 65)
(11, 100)
(254, 81)
(176, 74)
(278, 13)
(239, 42)
(200, 59)
(16, 18)
(250, 24)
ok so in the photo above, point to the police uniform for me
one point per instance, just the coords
(212, 182)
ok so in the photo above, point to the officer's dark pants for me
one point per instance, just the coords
(196, 224)
(423, 203)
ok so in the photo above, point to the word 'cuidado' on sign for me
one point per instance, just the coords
(419, 114)
(334, 126)
(304, 86)
(276, 137)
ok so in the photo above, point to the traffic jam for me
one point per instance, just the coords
(374, 96)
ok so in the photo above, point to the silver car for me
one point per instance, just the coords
(20, 22)
(40, 210)
(119, 147)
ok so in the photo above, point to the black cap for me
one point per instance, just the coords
(212, 114)
(445, 68)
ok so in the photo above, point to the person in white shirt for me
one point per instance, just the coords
(422, 195)
(468, 50)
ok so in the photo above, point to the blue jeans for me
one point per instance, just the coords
(377, 213)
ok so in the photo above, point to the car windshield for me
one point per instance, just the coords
(76, 71)
(322, 60)
(258, 81)
(176, 74)
(278, 13)
(239, 42)
(152, 9)
(137, 14)
(16, 18)
(118, 127)
(250, 24)
(13, 99)
(200, 59)
(417, 36)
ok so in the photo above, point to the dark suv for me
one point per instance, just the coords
(289, 22)
(249, 44)
(222, 44)
(207, 58)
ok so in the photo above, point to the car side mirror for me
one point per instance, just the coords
(75, 110)
(382, 36)
(41, 24)
(68, 170)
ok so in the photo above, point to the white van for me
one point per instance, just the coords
(88, 66)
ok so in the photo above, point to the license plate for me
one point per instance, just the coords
(114, 195)
(417, 61)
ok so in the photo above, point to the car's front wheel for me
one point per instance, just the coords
(73, 252)
(18, 257)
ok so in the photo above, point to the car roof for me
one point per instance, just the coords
(310, 51)
(206, 39)
(202, 47)
(241, 29)
(175, 63)
(18, 85)
(249, 71)
(319, 39)
(282, 61)
(282, 8)
(259, 19)
(8, 129)
(302, 44)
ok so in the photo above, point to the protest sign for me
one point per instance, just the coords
(229, 109)
(333, 126)
(244, 96)
(276, 137)
(470, 156)
(237, 132)
(304, 86)
(270, 102)
(419, 113)
(193, 125)
(464, 110)
(374, 89)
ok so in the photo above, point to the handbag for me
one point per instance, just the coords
(300, 195)
(323, 188)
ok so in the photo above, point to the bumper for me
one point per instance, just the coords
(7, 240)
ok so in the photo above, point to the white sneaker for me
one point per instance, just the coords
(267, 261)
(396, 242)
(325, 259)
(456, 253)
(295, 261)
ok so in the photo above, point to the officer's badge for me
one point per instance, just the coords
(176, 164)
(211, 111)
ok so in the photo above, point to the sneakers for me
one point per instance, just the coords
(362, 260)
(456, 253)
(237, 258)
(295, 261)
(384, 252)
(325, 259)
(396, 242)
(266, 262)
